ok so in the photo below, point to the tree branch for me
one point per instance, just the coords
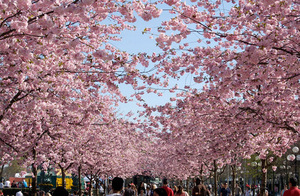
(2, 23)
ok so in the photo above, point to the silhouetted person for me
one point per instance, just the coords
(293, 190)
(117, 186)
(160, 192)
(167, 188)
(60, 191)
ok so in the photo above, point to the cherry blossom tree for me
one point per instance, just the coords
(55, 60)
(248, 60)
(59, 72)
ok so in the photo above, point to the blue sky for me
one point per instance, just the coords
(136, 42)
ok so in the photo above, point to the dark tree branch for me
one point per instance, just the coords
(9, 145)
(6, 19)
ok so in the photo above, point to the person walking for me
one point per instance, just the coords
(181, 192)
(148, 190)
(153, 187)
(283, 190)
(160, 192)
(237, 190)
(25, 184)
(167, 189)
(248, 191)
(225, 191)
(19, 193)
(141, 189)
(129, 191)
(175, 189)
(117, 186)
(293, 189)
(60, 191)
(7, 184)
(200, 189)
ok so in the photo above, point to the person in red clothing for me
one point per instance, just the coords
(168, 189)
(293, 190)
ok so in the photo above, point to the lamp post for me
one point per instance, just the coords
(286, 167)
(256, 164)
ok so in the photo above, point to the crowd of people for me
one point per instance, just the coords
(199, 189)
(14, 184)
(152, 190)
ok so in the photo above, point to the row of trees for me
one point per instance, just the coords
(59, 93)
(249, 103)
(60, 77)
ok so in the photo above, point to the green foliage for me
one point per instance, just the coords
(13, 168)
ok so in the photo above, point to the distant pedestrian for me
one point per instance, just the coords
(133, 187)
(248, 191)
(160, 192)
(148, 190)
(283, 190)
(175, 189)
(225, 191)
(200, 189)
(60, 191)
(117, 186)
(25, 184)
(167, 189)
(13, 184)
(237, 190)
(42, 193)
(181, 192)
(293, 190)
(128, 191)
(19, 193)
(153, 187)
(141, 189)
(7, 184)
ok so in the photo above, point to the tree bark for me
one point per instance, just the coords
(233, 168)
(1, 171)
(90, 187)
(97, 186)
(34, 180)
(263, 178)
(201, 174)
(215, 178)
(34, 177)
(63, 176)
(79, 181)
(188, 185)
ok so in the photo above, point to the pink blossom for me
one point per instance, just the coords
(264, 170)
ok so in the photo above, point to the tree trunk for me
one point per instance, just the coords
(34, 180)
(201, 174)
(34, 172)
(233, 168)
(263, 178)
(79, 181)
(189, 190)
(63, 176)
(97, 186)
(90, 187)
(1, 171)
(215, 178)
